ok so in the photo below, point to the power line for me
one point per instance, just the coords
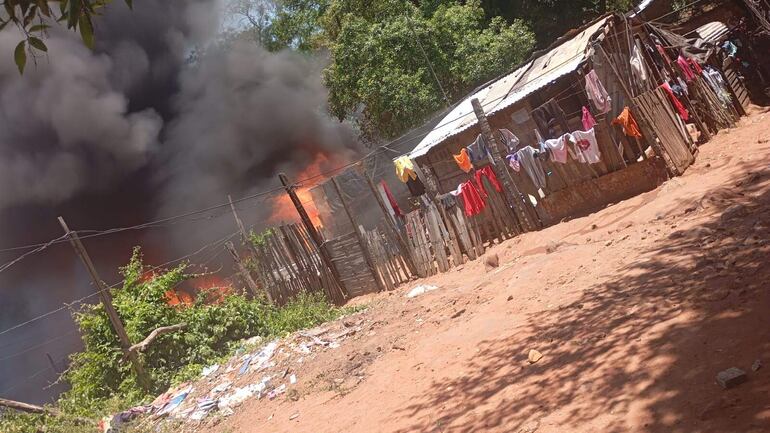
(153, 268)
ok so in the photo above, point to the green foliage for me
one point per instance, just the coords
(35, 16)
(378, 63)
(101, 381)
(260, 238)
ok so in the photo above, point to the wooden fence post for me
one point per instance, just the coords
(405, 251)
(359, 237)
(106, 298)
(244, 271)
(313, 233)
(507, 180)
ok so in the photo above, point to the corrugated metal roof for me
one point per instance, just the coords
(713, 31)
(559, 61)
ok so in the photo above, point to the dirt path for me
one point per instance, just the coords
(635, 309)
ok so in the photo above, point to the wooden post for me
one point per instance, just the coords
(359, 237)
(313, 233)
(405, 251)
(253, 288)
(238, 221)
(507, 180)
(106, 298)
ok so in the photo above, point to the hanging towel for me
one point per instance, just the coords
(547, 117)
(473, 202)
(510, 139)
(588, 120)
(532, 166)
(597, 94)
(489, 174)
(637, 63)
(463, 160)
(513, 161)
(391, 199)
(627, 121)
(404, 168)
(585, 146)
(677, 105)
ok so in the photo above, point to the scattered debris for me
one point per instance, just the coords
(756, 365)
(420, 290)
(207, 371)
(551, 247)
(458, 313)
(510, 298)
(534, 356)
(731, 377)
(295, 416)
(292, 379)
(491, 261)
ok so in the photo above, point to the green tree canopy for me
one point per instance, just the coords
(379, 73)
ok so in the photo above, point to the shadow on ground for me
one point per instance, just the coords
(642, 349)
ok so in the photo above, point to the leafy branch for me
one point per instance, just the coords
(34, 17)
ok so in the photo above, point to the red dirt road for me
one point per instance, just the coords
(635, 309)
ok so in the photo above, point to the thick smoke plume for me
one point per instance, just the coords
(134, 131)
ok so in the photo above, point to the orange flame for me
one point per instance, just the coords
(283, 208)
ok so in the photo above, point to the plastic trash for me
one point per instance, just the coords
(420, 290)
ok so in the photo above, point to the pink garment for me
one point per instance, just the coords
(588, 120)
(391, 199)
(688, 73)
(597, 94)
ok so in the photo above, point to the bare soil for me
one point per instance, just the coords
(635, 309)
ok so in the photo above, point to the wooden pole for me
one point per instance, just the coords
(106, 298)
(406, 253)
(238, 221)
(253, 287)
(486, 132)
(359, 236)
(313, 233)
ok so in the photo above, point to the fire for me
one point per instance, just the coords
(283, 208)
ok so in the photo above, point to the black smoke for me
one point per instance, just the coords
(136, 130)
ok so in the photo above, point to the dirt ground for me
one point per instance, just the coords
(635, 309)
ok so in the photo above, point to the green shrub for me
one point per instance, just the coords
(102, 382)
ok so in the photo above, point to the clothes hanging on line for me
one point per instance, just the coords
(637, 63)
(597, 94)
(510, 139)
(404, 168)
(695, 66)
(548, 117)
(730, 49)
(558, 148)
(684, 66)
(391, 199)
(675, 102)
(655, 56)
(489, 174)
(588, 120)
(463, 160)
(479, 152)
(416, 188)
(513, 161)
(717, 84)
(585, 147)
(473, 201)
(627, 121)
(532, 166)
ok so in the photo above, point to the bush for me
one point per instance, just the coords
(102, 382)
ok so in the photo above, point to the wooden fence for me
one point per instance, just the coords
(667, 126)
(287, 262)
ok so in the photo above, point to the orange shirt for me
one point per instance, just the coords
(627, 121)
(463, 161)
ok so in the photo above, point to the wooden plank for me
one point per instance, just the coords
(436, 240)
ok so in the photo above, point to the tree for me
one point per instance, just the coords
(379, 73)
(33, 17)
(275, 24)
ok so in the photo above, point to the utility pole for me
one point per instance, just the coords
(253, 288)
(106, 298)
(327, 259)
